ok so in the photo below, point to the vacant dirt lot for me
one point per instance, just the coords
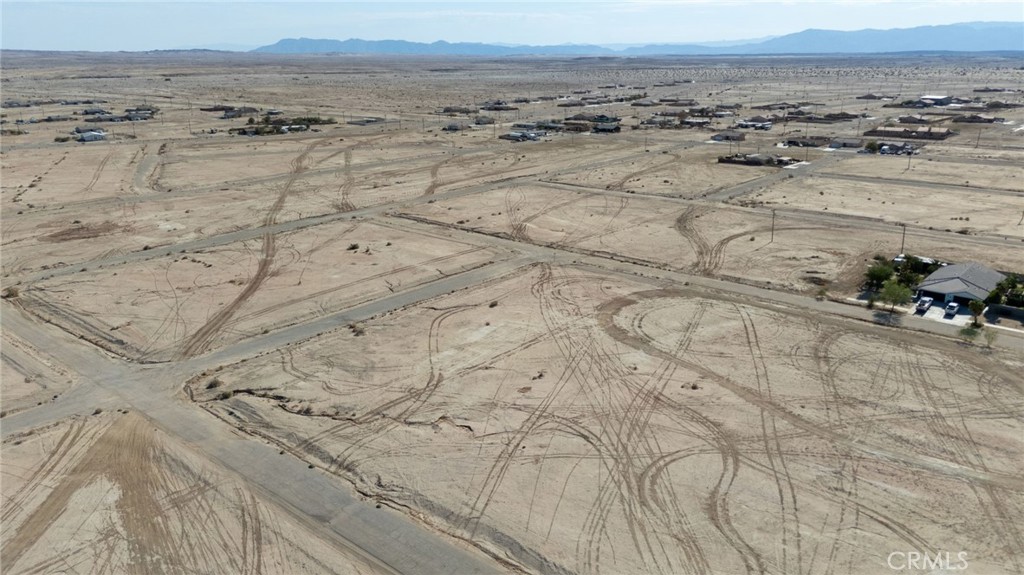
(807, 252)
(677, 172)
(605, 426)
(588, 353)
(188, 304)
(1003, 176)
(973, 211)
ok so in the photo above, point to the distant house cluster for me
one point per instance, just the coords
(136, 114)
(955, 103)
(51, 102)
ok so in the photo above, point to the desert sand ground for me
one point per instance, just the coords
(109, 494)
(610, 427)
(394, 348)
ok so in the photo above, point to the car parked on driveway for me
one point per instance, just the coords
(924, 303)
(952, 308)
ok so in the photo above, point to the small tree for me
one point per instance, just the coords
(871, 146)
(977, 308)
(878, 274)
(906, 274)
(990, 336)
(894, 293)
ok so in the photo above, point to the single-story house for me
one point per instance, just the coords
(577, 125)
(961, 283)
(92, 137)
(926, 133)
(660, 121)
(366, 121)
(756, 160)
(977, 119)
(914, 119)
(808, 141)
(729, 136)
(846, 143)
(937, 100)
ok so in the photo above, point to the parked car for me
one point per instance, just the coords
(924, 303)
(952, 308)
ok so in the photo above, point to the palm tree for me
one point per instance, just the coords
(977, 308)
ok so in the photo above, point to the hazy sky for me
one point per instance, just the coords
(45, 25)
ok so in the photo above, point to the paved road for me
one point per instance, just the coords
(387, 538)
(253, 233)
(923, 184)
(866, 223)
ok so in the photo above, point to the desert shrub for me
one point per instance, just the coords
(968, 334)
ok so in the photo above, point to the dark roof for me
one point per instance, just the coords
(972, 279)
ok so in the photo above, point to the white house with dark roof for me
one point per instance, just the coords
(961, 282)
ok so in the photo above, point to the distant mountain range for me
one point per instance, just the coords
(966, 37)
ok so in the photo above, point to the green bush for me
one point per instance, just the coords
(878, 274)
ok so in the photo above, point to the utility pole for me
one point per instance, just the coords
(903, 242)
(773, 227)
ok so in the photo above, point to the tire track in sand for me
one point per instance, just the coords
(96, 175)
(202, 337)
(773, 447)
(124, 455)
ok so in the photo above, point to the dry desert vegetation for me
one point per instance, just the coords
(410, 345)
